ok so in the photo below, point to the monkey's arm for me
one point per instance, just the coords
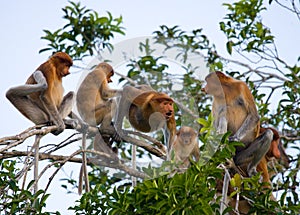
(127, 96)
(220, 122)
(109, 93)
(252, 121)
(48, 103)
(196, 152)
(26, 89)
(248, 125)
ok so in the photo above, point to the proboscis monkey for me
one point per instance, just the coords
(96, 106)
(41, 98)
(147, 111)
(185, 146)
(234, 110)
(93, 100)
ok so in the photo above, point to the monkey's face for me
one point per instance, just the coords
(164, 105)
(274, 149)
(63, 69)
(166, 108)
(187, 135)
(62, 62)
(187, 138)
(109, 75)
(213, 85)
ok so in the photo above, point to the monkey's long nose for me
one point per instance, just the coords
(203, 89)
(169, 114)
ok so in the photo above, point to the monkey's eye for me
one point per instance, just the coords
(67, 64)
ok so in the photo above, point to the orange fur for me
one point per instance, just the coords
(234, 110)
(148, 105)
(239, 103)
(54, 70)
(147, 111)
(41, 98)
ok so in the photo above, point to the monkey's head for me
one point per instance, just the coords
(187, 135)
(164, 104)
(214, 82)
(62, 61)
(108, 70)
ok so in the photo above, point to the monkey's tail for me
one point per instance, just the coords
(83, 170)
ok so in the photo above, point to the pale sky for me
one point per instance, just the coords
(22, 24)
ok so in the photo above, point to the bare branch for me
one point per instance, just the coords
(251, 69)
(109, 160)
(181, 106)
(153, 140)
(126, 78)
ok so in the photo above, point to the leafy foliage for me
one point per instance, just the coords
(85, 32)
(16, 199)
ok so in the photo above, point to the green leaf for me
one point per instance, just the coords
(229, 45)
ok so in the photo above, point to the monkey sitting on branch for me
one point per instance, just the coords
(185, 147)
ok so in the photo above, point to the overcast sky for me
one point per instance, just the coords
(22, 24)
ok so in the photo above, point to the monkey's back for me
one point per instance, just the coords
(142, 116)
(239, 106)
(54, 88)
(88, 96)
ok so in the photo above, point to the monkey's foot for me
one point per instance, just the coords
(233, 139)
(71, 123)
(119, 135)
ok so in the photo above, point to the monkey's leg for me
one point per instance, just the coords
(255, 152)
(18, 96)
(66, 105)
(65, 109)
(104, 113)
(21, 101)
(106, 128)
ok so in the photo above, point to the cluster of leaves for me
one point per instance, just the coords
(244, 28)
(85, 32)
(289, 108)
(17, 200)
(192, 192)
(187, 44)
